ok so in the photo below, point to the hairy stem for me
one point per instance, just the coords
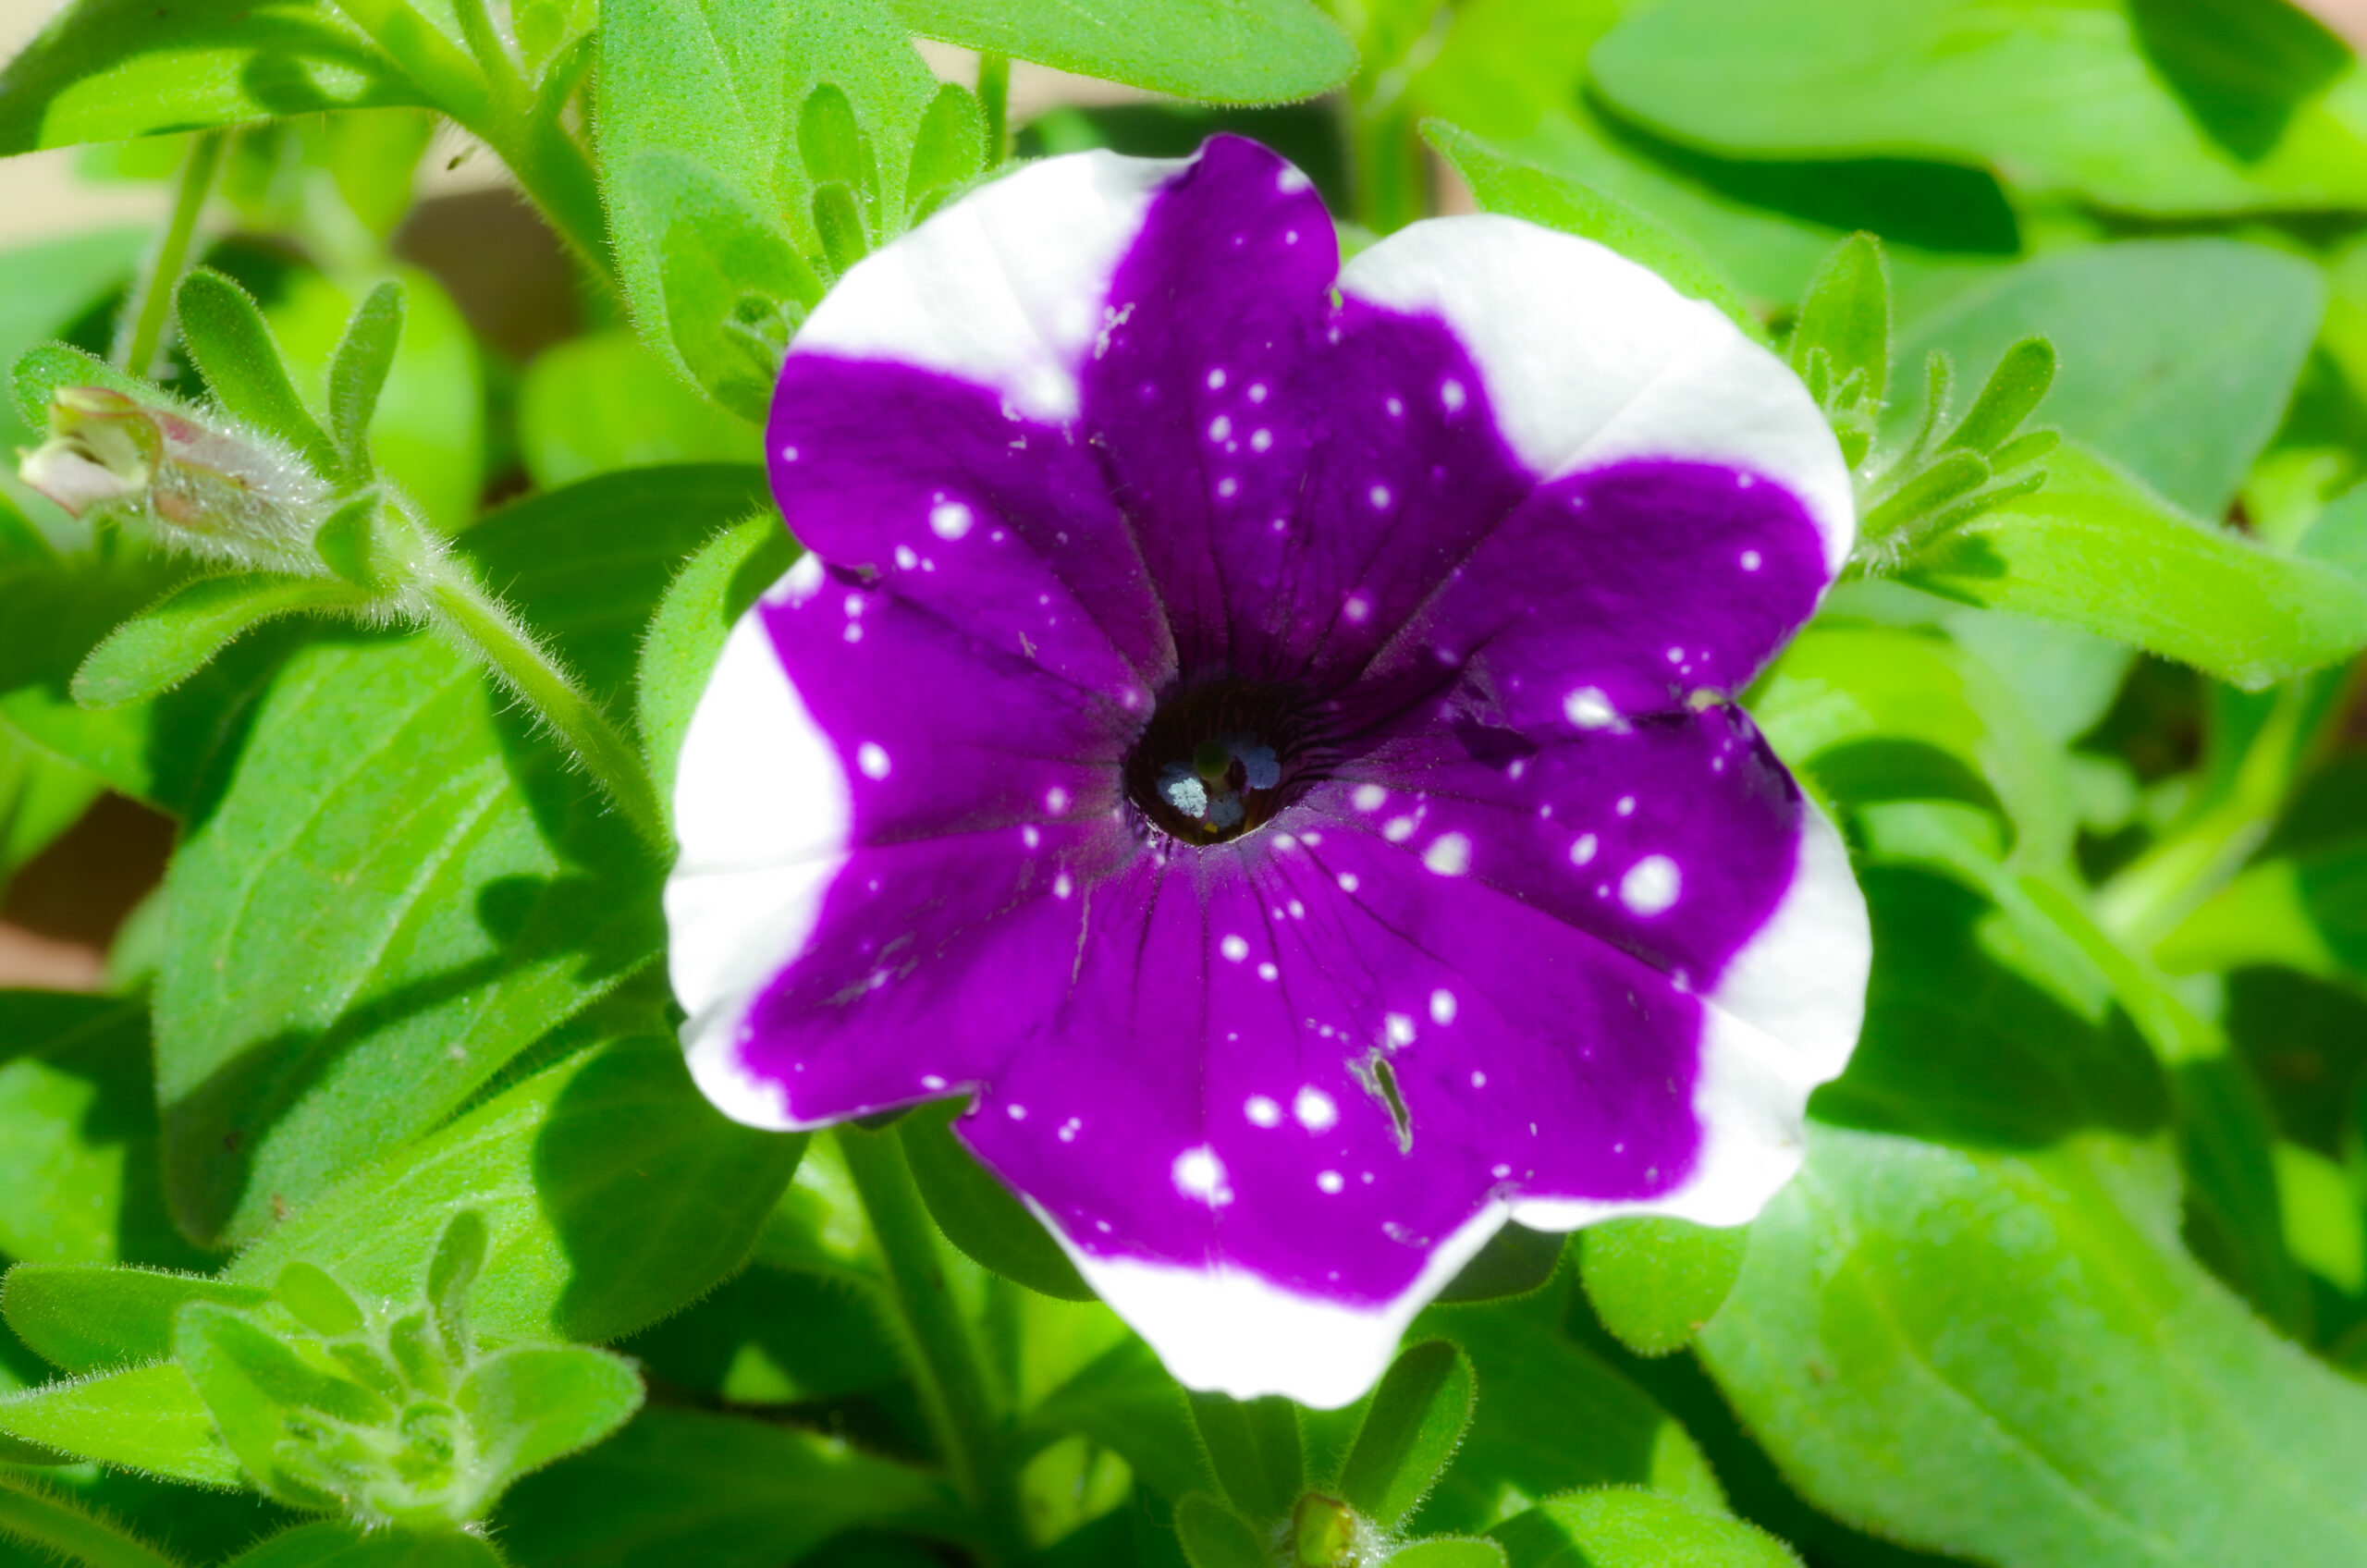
(480, 623)
(142, 333)
(49, 1524)
(947, 1365)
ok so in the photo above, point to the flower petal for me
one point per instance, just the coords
(815, 771)
(1589, 360)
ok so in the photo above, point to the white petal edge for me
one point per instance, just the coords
(762, 809)
(1007, 288)
(1783, 1019)
(1234, 1333)
(1591, 358)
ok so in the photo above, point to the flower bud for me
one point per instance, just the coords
(200, 480)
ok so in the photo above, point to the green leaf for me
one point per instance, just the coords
(683, 1486)
(1503, 183)
(2096, 550)
(358, 373)
(776, 1337)
(611, 1192)
(1449, 1552)
(1411, 1429)
(316, 1301)
(2069, 96)
(105, 71)
(39, 1518)
(41, 797)
(2187, 410)
(1873, 714)
(147, 1418)
(949, 150)
(1655, 1281)
(1215, 1536)
(2008, 1357)
(531, 1404)
(1254, 1449)
(978, 1213)
(1242, 52)
(603, 401)
(1627, 1527)
(427, 430)
(697, 121)
(251, 1383)
(78, 1132)
(394, 887)
(2013, 393)
(338, 1545)
(1514, 1261)
(1550, 1413)
(686, 634)
(1846, 316)
(85, 1316)
(179, 635)
(225, 333)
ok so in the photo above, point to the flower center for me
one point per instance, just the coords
(1219, 759)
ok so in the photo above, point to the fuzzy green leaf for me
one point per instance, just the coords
(1449, 1552)
(1627, 1527)
(978, 1213)
(1254, 1447)
(611, 1195)
(1219, 51)
(2012, 394)
(86, 1316)
(2094, 549)
(531, 1404)
(949, 150)
(226, 333)
(1845, 315)
(336, 1545)
(146, 1418)
(180, 634)
(106, 70)
(1654, 1281)
(1213, 1535)
(603, 401)
(1411, 1429)
(358, 373)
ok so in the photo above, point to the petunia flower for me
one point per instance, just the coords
(1265, 734)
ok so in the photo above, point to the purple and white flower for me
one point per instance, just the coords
(1265, 733)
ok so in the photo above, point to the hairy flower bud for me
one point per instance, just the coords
(201, 481)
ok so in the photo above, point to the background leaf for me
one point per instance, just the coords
(1244, 52)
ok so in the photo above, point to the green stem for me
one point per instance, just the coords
(48, 1523)
(483, 626)
(1392, 182)
(994, 92)
(152, 299)
(947, 1365)
(549, 165)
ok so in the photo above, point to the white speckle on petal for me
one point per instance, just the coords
(1626, 806)
(1399, 828)
(1450, 393)
(1227, 488)
(1268, 972)
(1650, 885)
(1442, 1006)
(1358, 607)
(1479, 1079)
(854, 633)
(1394, 407)
(1055, 800)
(1583, 850)
(1220, 427)
(1263, 1111)
(906, 559)
(1500, 1171)
(1348, 882)
(1745, 480)
(931, 1082)
(1330, 1180)
(1258, 392)
(1401, 1029)
(1216, 380)
(1449, 854)
(1290, 182)
(1016, 1113)
(1200, 1174)
(1068, 1129)
(1030, 836)
(872, 759)
(788, 454)
(950, 519)
(1062, 887)
(1369, 796)
(1677, 656)
(1234, 948)
(1380, 496)
(1314, 1109)
(1261, 440)
(1751, 560)
(1589, 708)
